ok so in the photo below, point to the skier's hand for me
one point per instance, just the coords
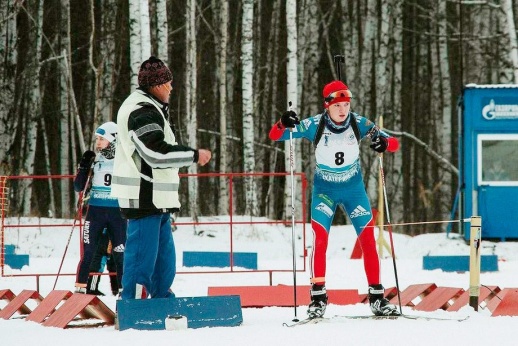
(289, 119)
(379, 144)
(86, 159)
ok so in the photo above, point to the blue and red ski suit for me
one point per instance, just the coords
(338, 181)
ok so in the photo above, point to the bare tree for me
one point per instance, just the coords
(222, 88)
(8, 38)
(162, 29)
(103, 63)
(393, 163)
(292, 84)
(145, 32)
(34, 103)
(507, 7)
(135, 43)
(248, 103)
(190, 95)
(268, 103)
(310, 100)
(445, 111)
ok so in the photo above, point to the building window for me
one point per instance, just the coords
(498, 159)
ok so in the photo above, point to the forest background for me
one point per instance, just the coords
(66, 67)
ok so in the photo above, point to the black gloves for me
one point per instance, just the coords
(379, 144)
(86, 159)
(289, 119)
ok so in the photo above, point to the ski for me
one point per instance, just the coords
(316, 320)
(409, 317)
(307, 320)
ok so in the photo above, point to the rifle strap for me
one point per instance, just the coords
(322, 124)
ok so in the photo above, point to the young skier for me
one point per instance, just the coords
(338, 180)
(103, 209)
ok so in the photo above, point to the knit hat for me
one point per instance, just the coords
(107, 131)
(153, 72)
(334, 92)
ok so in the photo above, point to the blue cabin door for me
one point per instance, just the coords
(497, 185)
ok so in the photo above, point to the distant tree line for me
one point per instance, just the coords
(66, 66)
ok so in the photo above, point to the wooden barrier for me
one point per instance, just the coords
(488, 263)
(219, 259)
(17, 304)
(150, 314)
(83, 305)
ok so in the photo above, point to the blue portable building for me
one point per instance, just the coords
(488, 159)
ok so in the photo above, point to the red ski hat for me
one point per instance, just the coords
(334, 92)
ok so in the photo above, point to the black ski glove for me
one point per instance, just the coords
(86, 159)
(379, 144)
(289, 119)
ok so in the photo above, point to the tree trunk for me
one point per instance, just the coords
(445, 123)
(162, 29)
(223, 200)
(507, 7)
(293, 153)
(8, 38)
(190, 94)
(394, 163)
(103, 63)
(66, 118)
(269, 104)
(145, 33)
(247, 50)
(136, 57)
(33, 111)
(310, 98)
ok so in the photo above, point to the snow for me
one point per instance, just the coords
(273, 243)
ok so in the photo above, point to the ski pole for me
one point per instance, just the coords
(78, 215)
(390, 229)
(295, 319)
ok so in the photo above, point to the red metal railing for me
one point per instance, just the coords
(230, 178)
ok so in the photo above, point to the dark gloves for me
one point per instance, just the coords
(86, 159)
(379, 144)
(290, 119)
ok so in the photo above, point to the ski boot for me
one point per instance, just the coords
(318, 304)
(380, 305)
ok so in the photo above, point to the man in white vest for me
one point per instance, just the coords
(146, 181)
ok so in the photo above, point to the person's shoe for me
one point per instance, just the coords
(95, 292)
(114, 284)
(380, 305)
(81, 290)
(116, 321)
(318, 304)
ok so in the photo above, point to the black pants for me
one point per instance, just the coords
(103, 251)
(98, 219)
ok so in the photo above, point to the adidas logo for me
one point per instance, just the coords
(359, 211)
(119, 248)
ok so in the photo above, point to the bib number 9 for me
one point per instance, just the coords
(107, 179)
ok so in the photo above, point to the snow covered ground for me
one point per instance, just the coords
(264, 326)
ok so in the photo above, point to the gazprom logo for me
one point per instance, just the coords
(492, 111)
